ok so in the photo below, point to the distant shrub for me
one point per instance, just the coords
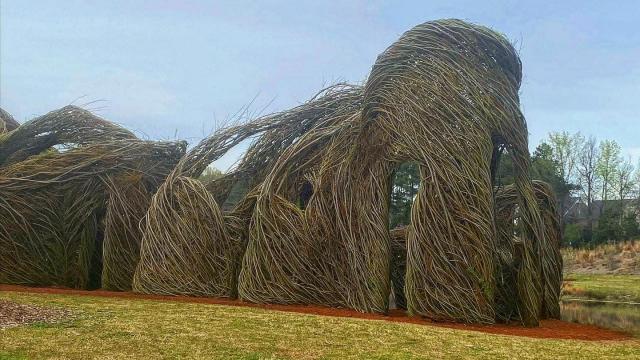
(572, 235)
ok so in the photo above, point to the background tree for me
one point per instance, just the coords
(406, 181)
(609, 226)
(564, 150)
(637, 184)
(210, 173)
(624, 181)
(608, 162)
(547, 166)
(504, 174)
(587, 179)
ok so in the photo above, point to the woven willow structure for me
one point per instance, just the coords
(312, 227)
(304, 216)
(59, 175)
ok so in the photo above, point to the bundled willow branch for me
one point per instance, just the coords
(288, 259)
(7, 122)
(398, 265)
(127, 203)
(52, 203)
(550, 250)
(511, 294)
(69, 126)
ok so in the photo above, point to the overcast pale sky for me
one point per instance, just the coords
(170, 69)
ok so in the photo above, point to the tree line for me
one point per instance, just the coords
(597, 188)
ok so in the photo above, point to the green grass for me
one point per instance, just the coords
(604, 287)
(124, 328)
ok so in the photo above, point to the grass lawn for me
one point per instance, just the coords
(127, 328)
(601, 287)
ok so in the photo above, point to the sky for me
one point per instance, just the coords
(180, 69)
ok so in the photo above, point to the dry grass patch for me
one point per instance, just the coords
(620, 258)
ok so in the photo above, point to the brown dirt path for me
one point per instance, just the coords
(548, 329)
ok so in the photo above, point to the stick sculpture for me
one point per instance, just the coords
(304, 217)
